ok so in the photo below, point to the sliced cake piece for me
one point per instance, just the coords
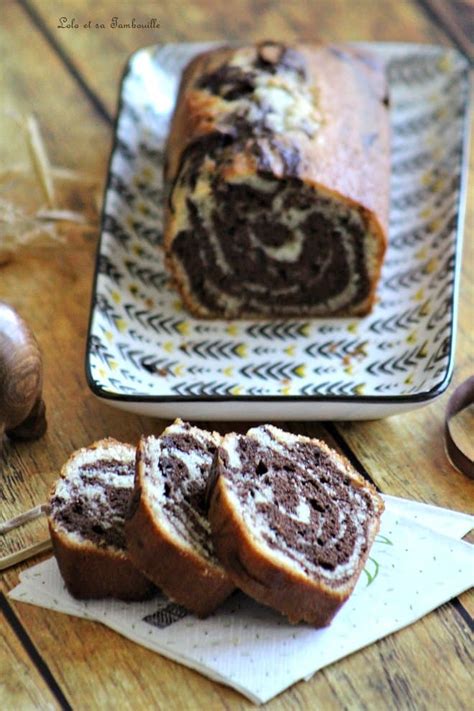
(168, 533)
(292, 521)
(88, 505)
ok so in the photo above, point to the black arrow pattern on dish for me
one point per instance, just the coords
(111, 225)
(107, 310)
(121, 188)
(152, 235)
(147, 276)
(159, 322)
(397, 364)
(336, 349)
(212, 349)
(406, 320)
(341, 388)
(106, 267)
(99, 349)
(441, 353)
(141, 360)
(414, 69)
(282, 330)
(280, 370)
(124, 150)
(203, 388)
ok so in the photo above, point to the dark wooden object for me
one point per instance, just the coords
(47, 659)
(22, 410)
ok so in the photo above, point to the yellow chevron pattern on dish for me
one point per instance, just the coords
(434, 225)
(422, 253)
(361, 350)
(142, 328)
(423, 351)
(183, 328)
(445, 63)
(425, 308)
(143, 208)
(147, 173)
(432, 266)
(428, 178)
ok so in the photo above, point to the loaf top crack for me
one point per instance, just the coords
(277, 164)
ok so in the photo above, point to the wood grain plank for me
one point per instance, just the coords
(19, 680)
(54, 297)
(202, 20)
(396, 673)
(457, 19)
(419, 468)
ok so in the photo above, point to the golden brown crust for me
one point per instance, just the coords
(342, 159)
(266, 578)
(348, 159)
(183, 575)
(90, 572)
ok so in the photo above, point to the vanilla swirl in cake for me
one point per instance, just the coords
(278, 182)
(168, 533)
(292, 521)
(88, 507)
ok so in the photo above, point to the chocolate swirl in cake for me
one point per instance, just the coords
(92, 502)
(248, 233)
(168, 533)
(176, 469)
(292, 521)
(300, 502)
(88, 507)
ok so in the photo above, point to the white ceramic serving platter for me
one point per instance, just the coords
(147, 354)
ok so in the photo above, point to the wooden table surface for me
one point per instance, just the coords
(69, 79)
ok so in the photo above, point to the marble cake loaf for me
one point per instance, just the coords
(168, 533)
(88, 505)
(278, 170)
(292, 521)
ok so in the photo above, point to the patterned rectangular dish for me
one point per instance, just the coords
(146, 354)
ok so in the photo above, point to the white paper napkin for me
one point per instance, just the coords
(415, 565)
